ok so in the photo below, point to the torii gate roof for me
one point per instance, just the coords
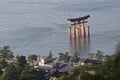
(79, 19)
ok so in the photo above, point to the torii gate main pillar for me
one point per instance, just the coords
(78, 28)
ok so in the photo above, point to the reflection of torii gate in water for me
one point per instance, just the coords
(79, 35)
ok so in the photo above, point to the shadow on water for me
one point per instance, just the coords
(80, 45)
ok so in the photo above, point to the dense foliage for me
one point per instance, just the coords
(108, 70)
(20, 69)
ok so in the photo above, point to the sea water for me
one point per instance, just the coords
(40, 26)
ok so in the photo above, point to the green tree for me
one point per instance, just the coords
(10, 73)
(22, 61)
(99, 55)
(75, 58)
(73, 75)
(109, 70)
(32, 74)
(117, 56)
(50, 55)
(116, 64)
(10, 56)
(3, 63)
(32, 58)
(6, 52)
(1, 72)
(17, 57)
(64, 57)
(91, 55)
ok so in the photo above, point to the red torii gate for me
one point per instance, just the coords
(82, 30)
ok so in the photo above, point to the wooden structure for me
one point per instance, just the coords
(78, 28)
(79, 36)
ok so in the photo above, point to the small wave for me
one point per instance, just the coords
(34, 2)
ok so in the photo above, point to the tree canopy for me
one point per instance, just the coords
(32, 57)
(64, 57)
(5, 52)
(21, 60)
(75, 58)
(3, 63)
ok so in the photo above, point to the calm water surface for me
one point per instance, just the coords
(40, 26)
